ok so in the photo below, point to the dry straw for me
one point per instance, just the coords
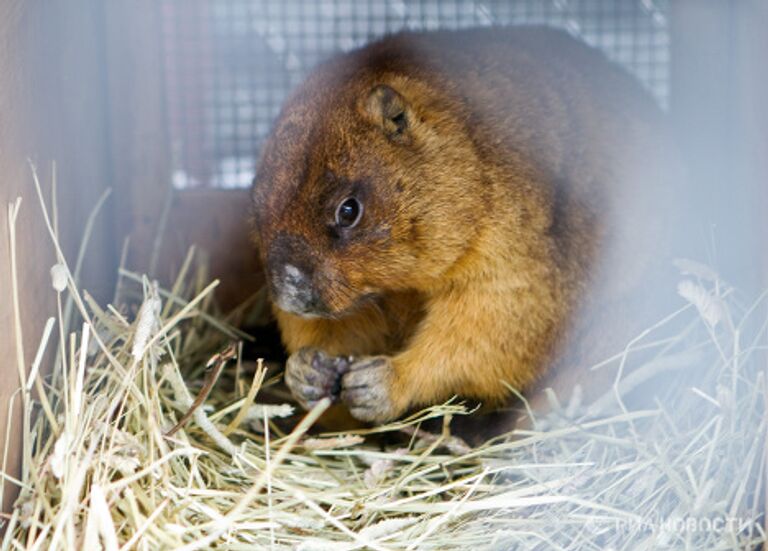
(102, 467)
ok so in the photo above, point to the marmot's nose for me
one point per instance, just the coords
(294, 292)
(295, 277)
(291, 276)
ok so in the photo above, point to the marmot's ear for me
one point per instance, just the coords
(390, 110)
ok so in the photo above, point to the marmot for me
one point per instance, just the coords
(432, 209)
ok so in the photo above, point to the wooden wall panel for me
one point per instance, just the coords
(140, 150)
(751, 97)
(718, 106)
(51, 108)
(214, 220)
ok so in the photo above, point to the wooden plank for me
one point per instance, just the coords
(51, 104)
(150, 210)
(717, 78)
(138, 126)
(751, 91)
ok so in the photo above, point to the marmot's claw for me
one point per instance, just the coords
(311, 374)
(365, 389)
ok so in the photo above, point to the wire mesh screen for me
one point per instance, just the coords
(230, 63)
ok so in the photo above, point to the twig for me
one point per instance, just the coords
(214, 367)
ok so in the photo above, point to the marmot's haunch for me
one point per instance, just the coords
(432, 209)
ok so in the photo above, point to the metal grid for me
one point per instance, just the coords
(230, 63)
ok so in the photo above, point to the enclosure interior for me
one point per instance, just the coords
(167, 102)
(224, 69)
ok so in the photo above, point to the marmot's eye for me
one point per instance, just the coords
(349, 212)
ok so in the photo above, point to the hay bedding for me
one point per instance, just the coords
(142, 438)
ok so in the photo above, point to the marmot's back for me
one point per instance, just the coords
(536, 90)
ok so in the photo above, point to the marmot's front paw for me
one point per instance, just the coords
(311, 374)
(366, 389)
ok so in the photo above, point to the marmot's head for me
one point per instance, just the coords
(369, 183)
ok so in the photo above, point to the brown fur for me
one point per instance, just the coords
(522, 171)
